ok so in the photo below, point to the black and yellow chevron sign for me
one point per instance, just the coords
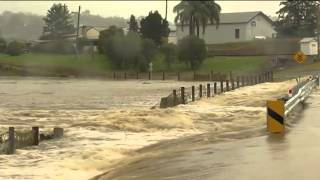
(275, 116)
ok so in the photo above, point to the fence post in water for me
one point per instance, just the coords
(178, 76)
(163, 76)
(137, 75)
(200, 90)
(259, 78)
(208, 90)
(149, 75)
(238, 82)
(221, 86)
(35, 135)
(227, 85)
(192, 93)
(57, 132)
(255, 79)
(242, 81)
(230, 75)
(174, 94)
(125, 75)
(182, 95)
(215, 87)
(194, 75)
(211, 75)
(271, 76)
(11, 145)
(114, 75)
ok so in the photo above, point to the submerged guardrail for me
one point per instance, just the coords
(278, 110)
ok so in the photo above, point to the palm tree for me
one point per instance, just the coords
(196, 14)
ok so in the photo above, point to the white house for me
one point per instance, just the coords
(235, 27)
(309, 46)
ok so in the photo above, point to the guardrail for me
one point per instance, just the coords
(278, 110)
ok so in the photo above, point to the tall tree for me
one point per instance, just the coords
(133, 24)
(58, 22)
(297, 18)
(154, 27)
(197, 14)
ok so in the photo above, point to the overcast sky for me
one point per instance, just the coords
(138, 8)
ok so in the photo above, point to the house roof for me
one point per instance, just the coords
(241, 17)
(308, 39)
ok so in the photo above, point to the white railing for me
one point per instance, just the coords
(302, 94)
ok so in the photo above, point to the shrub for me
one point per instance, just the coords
(192, 50)
(170, 53)
(15, 48)
(106, 35)
(3, 45)
(59, 47)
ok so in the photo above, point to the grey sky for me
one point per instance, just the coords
(138, 8)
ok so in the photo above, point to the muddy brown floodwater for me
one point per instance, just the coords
(106, 121)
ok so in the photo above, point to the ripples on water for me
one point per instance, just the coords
(105, 120)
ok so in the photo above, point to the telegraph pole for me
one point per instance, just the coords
(78, 23)
(166, 9)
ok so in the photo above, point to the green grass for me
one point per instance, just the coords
(299, 70)
(243, 64)
(57, 64)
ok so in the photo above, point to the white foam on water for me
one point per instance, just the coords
(104, 121)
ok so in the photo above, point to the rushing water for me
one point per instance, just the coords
(105, 120)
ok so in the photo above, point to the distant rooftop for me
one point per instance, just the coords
(240, 17)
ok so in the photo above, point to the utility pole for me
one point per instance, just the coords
(317, 33)
(78, 23)
(166, 9)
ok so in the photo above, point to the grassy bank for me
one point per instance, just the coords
(55, 64)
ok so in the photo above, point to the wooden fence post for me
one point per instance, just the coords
(125, 75)
(221, 86)
(163, 76)
(11, 140)
(208, 90)
(194, 75)
(259, 78)
(192, 93)
(211, 75)
(227, 85)
(114, 75)
(230, 75)
(255, 79)
(242, 81)
(232, 84)
(182, 95)
(178, 76)
(174, 94)
(35, 134)
(271, 76)
(57, 132)
(238, 82)
(215, 87)
(149, 75)
(200, 90)
(137, 75)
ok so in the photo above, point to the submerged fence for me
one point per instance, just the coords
(185, 95)
(12, 139)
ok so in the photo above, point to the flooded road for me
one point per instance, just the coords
(247, 154)
(107, 121)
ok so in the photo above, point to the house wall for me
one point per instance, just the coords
(92, 34)
(262, 28)
(225, 33)
(309, 48)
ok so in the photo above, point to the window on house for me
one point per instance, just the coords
(253, 24)
(237, 33)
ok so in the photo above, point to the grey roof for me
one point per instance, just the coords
(240, 17)
(308, 39)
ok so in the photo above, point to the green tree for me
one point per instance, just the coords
(58, 22)
(3, 45)
(192, 50)
(106, 35)
(170, 53)
(133, 24)
(197, 14)
(297, 18)
(154, 27)
(15, 48)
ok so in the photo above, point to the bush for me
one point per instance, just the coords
(192, 50)
(106, 35)
(15, 48)
(170, 53)
(59, 47)
(3, 45)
